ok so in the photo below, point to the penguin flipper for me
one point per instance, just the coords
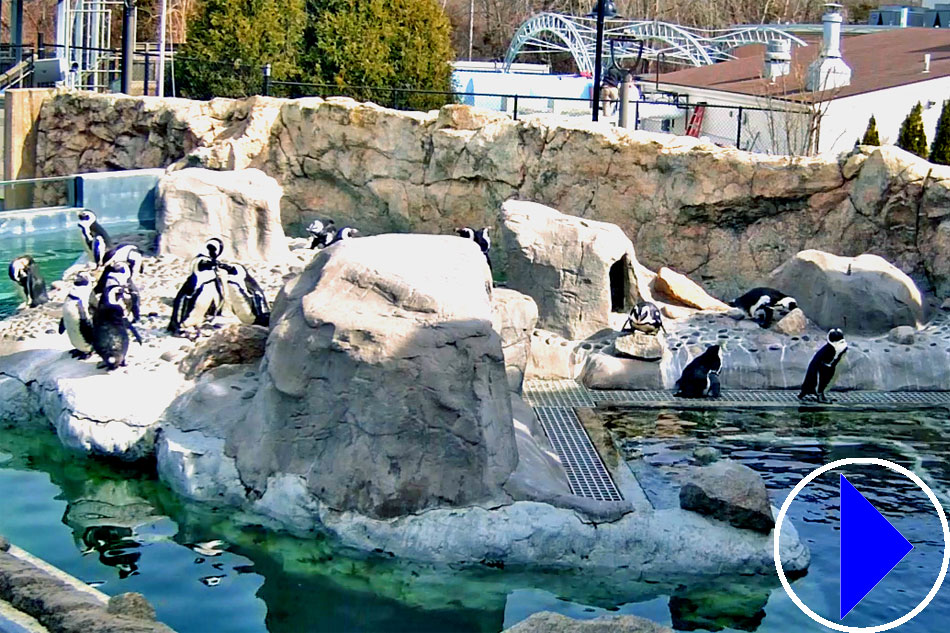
(135, 333)
(62, 326)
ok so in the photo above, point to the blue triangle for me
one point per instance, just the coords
(870, 547)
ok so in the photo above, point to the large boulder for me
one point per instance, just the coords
(862, 295)
(514, 316)
(549, 622)
(577, 270)
(681, 288)
(383, 385)
(237, 344)
(731, 492)
(241, 207)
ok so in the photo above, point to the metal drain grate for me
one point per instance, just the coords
(557, 393)
(586, 473)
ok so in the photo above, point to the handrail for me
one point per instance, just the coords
(26, 181)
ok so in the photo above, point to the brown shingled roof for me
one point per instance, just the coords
(877, 61)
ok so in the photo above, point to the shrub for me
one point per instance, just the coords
(871, 136)
(912, 136)
(940, 150)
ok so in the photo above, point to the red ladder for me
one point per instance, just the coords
(695, 125)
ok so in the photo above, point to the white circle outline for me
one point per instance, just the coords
(801, 486)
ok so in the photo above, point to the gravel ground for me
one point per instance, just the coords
(158, 285)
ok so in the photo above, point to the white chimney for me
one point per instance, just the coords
(926, 62)
(829, 71)
(778, 59)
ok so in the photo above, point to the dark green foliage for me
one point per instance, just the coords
(940, 150)
(380, 44)
(229, 42)
(912, 137)
(871, 136)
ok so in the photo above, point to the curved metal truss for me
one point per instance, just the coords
(556, 32)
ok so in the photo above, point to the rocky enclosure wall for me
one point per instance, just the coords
(723, 216)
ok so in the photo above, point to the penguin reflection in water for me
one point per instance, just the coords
(821, 369)
(700, 378)
(110, 329)
(26, 274)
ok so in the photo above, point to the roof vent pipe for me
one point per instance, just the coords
(778, 59)
(926, 62)
(831, 23)
(829, 71)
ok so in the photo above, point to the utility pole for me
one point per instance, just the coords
(160, 75)
(128, 44)
(471, 26)
(598, 55)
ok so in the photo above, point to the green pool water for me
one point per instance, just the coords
(120, 529)
(54, 252)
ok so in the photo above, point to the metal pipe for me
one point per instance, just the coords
(160, 73)
(598, 54)
(128, 44)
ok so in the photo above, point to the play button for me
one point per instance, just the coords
(870, 547)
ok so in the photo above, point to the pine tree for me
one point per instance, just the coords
(912, 136)
(940, 150)
(871, 136)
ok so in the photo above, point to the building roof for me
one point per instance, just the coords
(878, 61)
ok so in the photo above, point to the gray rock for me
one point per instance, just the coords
(549, 622)
(903, 335)
(641, 346)
(795, 323)
(705, 455)
(4, 544)
(731, 492)
(131, 604)
(864, 294)
(241, 207)
(564, 263)
(385, 371)
(237, 344)
(514, 317)
(603, 371)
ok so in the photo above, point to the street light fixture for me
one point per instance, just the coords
(605, 9)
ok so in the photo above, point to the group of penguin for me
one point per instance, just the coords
(99, 317)
(700, 377)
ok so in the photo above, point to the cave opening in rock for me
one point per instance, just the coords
(619, 285)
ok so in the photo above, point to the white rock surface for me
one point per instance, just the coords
(514, 316)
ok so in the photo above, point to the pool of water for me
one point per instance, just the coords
(54, 252)
(212, 569)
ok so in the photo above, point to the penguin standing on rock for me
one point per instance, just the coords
(244, 296)
(119, 273)
(644, 317)
(347, 232)
(321, 233)
(700, 378)
(199, 297)
(26, 274)
(76, 322)
(480, 237)
(110, 329)
(821, 369)
(90, 228)
(103, 256)
(214, 247)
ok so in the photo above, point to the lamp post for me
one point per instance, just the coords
(128, 44)
(605, 9)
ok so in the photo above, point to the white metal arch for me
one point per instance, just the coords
(557, 24)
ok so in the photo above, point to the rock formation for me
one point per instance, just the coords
(578, 271)
(241, 207)
(383, 383)
(729, 491)
(514, 317)
(864, 294)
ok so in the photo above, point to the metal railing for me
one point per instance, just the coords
(34, 193)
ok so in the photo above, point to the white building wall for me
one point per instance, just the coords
(845, 119)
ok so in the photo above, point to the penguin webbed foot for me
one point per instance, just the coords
(824, 399)
(81, 355)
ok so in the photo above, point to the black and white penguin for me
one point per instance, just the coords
(480, 237)
(244, 295)
(821, 369)
(321, 232)
(347, 232)
(76, 321)
(103, 256)
(118, 273)
(90, 228)
(25, 273)
(214, 246)
(644, 317)
(760, 304)
(110, 329)
(700, 378)
(199, 297)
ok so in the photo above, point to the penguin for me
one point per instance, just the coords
(90, 228)
(644, 317)
(103, 256)
(76, 321)
(199, 297)
(700, 378)
(110, 329)
(118, 273)
(244, 296)
(822, 367)
(480, 237)
(215, 247)
(321, 233)
(761, 303)
(25, 273)
(347, 232)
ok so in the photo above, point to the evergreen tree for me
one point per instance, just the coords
(380, 44)
(912, 136)
(870, 135)
(230, 41)
(940, 150)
